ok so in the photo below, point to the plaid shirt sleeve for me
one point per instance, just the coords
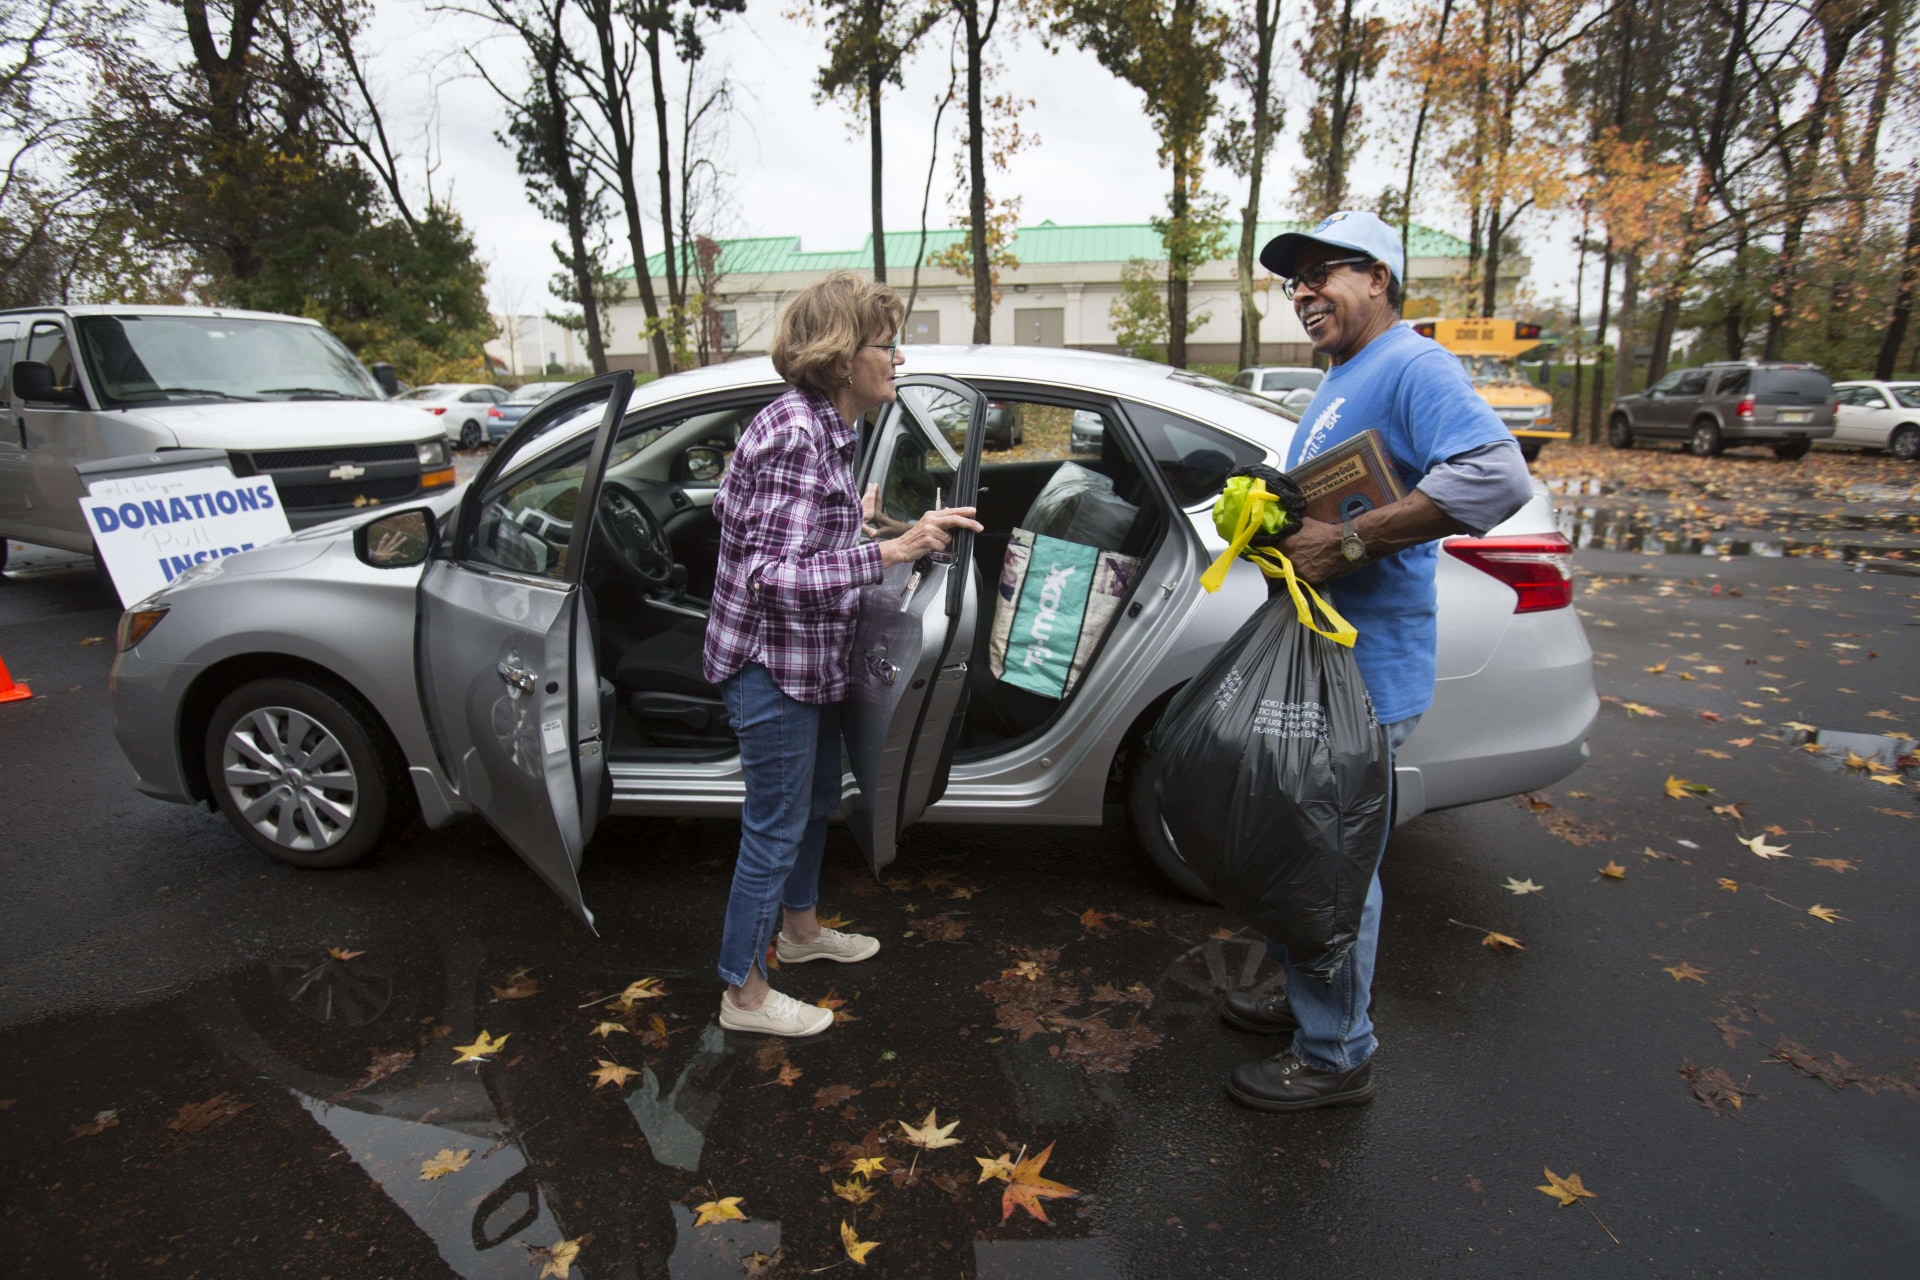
(792, 558)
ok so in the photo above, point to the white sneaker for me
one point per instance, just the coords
(830, 945)
(778, 1015)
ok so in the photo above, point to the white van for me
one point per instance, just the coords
(280, 396)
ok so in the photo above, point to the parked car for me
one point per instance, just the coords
(1275, 381)
(464, 408)
(1786, 406)
(1878, 415)
(518, 403)
(1085, 431)
(529, 647)
(279, 395)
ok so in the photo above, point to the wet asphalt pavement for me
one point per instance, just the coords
(191, 1085)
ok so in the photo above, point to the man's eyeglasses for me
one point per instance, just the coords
(889, 347)
(1315, 277)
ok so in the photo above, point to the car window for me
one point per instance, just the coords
(1665, 386)
(1193, 458)
(1791, 386)
(921, 471)
(1288, 380)
(48, 345)
(8, 332)
(1244, 379)
(1735, 383)
(1692, 383)
(1908, 395)
(1868, 398)
(526, 517)
(422, 393)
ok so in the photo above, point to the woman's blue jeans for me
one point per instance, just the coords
(1336, 1033)
(790, 757)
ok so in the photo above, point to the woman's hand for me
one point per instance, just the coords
(931, 532)
(874, 521)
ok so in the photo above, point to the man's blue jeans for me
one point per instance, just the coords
(1335, 1032)
(790, 757)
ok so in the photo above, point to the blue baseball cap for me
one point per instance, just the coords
(1349, 229)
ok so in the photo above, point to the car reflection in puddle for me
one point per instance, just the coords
(1878, 753)
(1601, 529)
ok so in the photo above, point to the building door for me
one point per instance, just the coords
(1040, 326)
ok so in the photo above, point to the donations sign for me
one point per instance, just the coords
(153, 528)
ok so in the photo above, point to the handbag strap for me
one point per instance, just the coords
(1275, 565)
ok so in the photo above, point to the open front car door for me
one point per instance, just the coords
(918, 626)
(505, 645)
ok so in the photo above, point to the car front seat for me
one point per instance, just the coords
(661, 681)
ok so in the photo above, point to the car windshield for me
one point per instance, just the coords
(1308, 378)
(162, 358)
(533, 394)
(1239, 395)
(1791, 386)
(1490, 371)
(1908, 394)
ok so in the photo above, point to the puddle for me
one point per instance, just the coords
(1875, 748)
(1604, 529)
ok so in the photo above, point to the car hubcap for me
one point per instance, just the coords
(1907, 445)
(290, 778)
(1702, 440)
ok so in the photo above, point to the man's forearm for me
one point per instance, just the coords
(1409, 522)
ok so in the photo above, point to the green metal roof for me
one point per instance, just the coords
(1040, 245)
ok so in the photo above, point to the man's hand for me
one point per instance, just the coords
(931, 532)
(1315, 551)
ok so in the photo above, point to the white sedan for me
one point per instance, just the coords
(462, 407)
(1878, 415)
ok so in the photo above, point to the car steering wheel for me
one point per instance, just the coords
(634, 539)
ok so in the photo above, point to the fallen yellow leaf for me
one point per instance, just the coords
(1829, 914)
(853, 1190)
(480, 1049)
(341, 953)
(610, 1073)
(1496, 941)
(1614, 871)
(857, 1249)
(605, 1029)
(1001, 1166)
(448, 1161)
(725, 1210)
(1680, 788)
(931, 1135)
(1566, 1190)
(870, 1165)
(1684, 972)
(1729, 885)
(1026, 1188)
(560, 1259)
(1660, 669)
(1760, 846)
(1639, 710)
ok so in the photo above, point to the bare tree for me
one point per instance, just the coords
(1244, 142)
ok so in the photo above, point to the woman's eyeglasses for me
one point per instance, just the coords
(1315, 277)
(889, 347)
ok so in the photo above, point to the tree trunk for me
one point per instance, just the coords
(616, 103)
(1490, 274)
(1420, 127)
(1731, 324)
(1264, 14)
(1579, 330)
(1859, 172)
(1474, 251)
(1629, 324)
(1600, 341)
(1883, 366)
(676, 282)
(977, 178)
(573, 194)
(874, 83)
(1663, 328)
(1178, 266)
(226, 79)
(1345, 72)
(1835, 41)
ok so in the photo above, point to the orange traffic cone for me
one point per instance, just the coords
(9, 691)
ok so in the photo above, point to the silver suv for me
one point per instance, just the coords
(1787, 406)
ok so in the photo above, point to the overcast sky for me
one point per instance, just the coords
(797, 169)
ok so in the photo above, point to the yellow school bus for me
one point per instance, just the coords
(1488, 350)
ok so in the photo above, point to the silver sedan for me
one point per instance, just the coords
(527, 647)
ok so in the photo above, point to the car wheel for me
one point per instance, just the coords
(1530, 450)
(1793, 450)
(1620, 432)
(303, 770)
(1150, 829)
(1705, 441)
(1903, 444)
(469, 435)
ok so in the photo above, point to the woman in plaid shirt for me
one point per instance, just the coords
(781, 632)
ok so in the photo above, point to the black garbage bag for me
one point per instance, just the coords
(1273, 780)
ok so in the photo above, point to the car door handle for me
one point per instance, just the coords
(881, 667)
(519, 679)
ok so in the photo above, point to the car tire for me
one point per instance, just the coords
(1793, 450)
(1903, 444)
(1150, 829)
(1704, 441)
(469, 435)
(334, 731)
(1620, 432)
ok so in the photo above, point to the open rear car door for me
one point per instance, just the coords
(505, 646)
(918, 626)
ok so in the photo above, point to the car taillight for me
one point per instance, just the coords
(436, 410)
(1539, 567)
(1745, 408)
(493, 411)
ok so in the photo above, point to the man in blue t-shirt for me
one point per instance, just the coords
(1464, 474)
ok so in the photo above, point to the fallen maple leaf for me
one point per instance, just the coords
(560, 1259)
(1842, 865)
(1798, 726)
(857, 1249)
(480, 1049)
(1712, 753)
(834, 922)
(1497, 941)
(788, 1074)
(1521, 886)
(1001, 1166)
(1614, 871)
(1639, 710)
(833, 1095)
(1026, 1188)
(638, 990)
(610, 1073)
(342, 954)
(1680, 788)
(1093, 920)
(1566, 1190)
(867, 1166)
(1729, 885)
(758, 1264)
(519, 987)
(1891, 779)
(837, 1005)
(195, 1116)
(853, 1190)
(930, 1135)
(1660, 669)
(1828, 914)
(1760, 846)
(1684, 972)
(726, 1210)
(448, 1161)
(1731, 810)
(1741, 742)
(605, 1029)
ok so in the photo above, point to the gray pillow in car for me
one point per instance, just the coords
(1079, 505)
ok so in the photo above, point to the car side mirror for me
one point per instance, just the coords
(702, 463)
(398, 540)
(33, 381)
